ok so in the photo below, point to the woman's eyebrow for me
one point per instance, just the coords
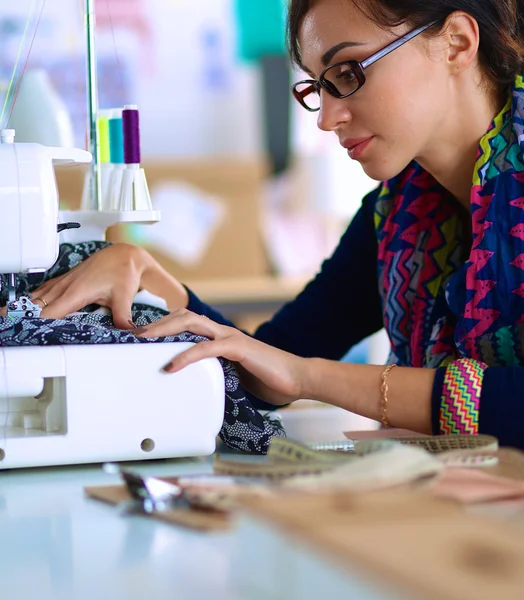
(328, 56)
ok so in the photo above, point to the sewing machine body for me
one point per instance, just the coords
(86, 403)
(28, 191)
(83, 404)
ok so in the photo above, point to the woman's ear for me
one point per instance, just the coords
(461, 37)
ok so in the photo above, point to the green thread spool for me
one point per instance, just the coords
(103, 133)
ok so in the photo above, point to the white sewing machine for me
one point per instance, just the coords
(79, 404)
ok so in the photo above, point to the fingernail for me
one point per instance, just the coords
(138, 330)
(131, 323)
(167, 367)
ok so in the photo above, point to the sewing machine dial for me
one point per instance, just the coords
(23, 307)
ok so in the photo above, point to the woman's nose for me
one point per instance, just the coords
(333, 112)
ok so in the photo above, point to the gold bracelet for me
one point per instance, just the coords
(384, 389)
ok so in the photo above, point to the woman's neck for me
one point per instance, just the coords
(452, 154)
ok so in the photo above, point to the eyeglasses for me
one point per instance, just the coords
(344, 78)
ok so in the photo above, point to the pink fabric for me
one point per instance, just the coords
(470, 486)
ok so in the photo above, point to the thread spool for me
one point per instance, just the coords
(116, 137)
(106, 167)
(103, 133)
(115, 168)
(131, 131)
(134, 194)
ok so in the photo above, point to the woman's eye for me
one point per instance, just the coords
(346, 74)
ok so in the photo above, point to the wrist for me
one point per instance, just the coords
(310, 373)
(159, 282)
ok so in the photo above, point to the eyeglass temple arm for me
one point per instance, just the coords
(394, 45)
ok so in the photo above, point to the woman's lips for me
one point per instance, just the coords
(356, 147)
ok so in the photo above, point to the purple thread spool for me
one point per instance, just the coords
(131, 127)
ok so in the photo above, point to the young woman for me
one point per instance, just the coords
(428, 97)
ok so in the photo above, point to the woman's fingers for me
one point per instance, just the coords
(223, 341)
(49, 290)
(270, 373)
(49, 284)
(178, 322)
(66, 294)
(64, 298)
(46, 296)
(110, 277)
(211, 349)
(121, 303)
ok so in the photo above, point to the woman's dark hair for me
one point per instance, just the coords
(501, 25)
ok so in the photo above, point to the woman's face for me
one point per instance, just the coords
(403, 103)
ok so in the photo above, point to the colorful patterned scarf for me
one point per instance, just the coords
(440, 304)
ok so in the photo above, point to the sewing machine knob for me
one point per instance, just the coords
(23, 307)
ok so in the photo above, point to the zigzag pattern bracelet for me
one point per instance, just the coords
(459, 406)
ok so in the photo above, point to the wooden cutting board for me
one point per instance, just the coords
(400, 538)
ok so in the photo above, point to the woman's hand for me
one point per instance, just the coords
(271, 374)
(111, 278)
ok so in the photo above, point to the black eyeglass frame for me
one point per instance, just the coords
(357, 67)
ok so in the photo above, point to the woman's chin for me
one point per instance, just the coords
(382, 170)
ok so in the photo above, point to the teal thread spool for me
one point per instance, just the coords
(116, 137)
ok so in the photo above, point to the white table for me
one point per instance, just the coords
(55, 544)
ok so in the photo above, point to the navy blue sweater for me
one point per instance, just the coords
(341, 306)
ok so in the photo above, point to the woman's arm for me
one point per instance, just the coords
(462, 397)
(357, 388)
(279, 377)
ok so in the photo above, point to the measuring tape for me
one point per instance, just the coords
(287, 458)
